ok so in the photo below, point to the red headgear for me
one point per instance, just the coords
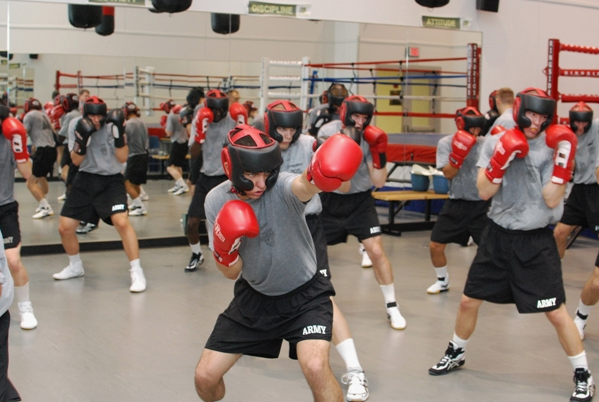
(469, 117)
(535, 100)
(584, 114)
(355, 104)
(31, 104)
(285, 114)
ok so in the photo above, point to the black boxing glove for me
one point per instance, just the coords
(83, 132)
(117, 118)
(186, 116)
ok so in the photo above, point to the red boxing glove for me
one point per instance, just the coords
(498, 129)
(564, 141)
(336, 160)
(205, 117)
(377, 139)
(511, 144)
(21, 117)
(176, 109)
(56, 112)
(163, 120)
(235, 220)
(461, 144)
(238, 113)
(15, 132)
(48, 107)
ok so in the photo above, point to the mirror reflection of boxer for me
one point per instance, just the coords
(178, 154)
(503, 100)
(99, 148)
(136, 172)
(525, 170)
(329, 111)
(581, 205)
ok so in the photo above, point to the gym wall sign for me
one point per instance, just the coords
(440, 22)
(127, 2)
(281, 10)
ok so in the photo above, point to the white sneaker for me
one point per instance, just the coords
(138, 211)
(366, 263)
(181, 190)
(28, 320)
(438, 287)
(357, 389)
(173, 189)
(581, 322)
(145, 197)
(138, 280)
(62, 197)
(43, 212)
(395, 317)
(71, 271)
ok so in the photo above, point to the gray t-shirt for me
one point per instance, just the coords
(216, 134)
(258, 123)
(65, 120)
(71, 132)
(463, 185)
(174, 126)
(361, 181)
(137, 136)
(8, 285)
(519, 203)
(100, 158)
(7, 172)
(282, 257)
(296, 159)
(587, 155)
(505, 119)
(39, 129)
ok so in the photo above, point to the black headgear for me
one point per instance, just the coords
(583, 115)
(186, 115)
(336, 95)
(493, 101)
(194, 96)
(95, 106)
(469, 117)
(355, 104)
(31, 104)
(535, 100)
(4, 112)
(218, 102)
(248, 149)
(69, 102)
(130, 107)
(284, 114)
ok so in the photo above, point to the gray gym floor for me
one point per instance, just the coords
(98, 342)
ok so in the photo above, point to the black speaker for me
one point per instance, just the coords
(432, 3)
(170, 6)
(85, 16)
(34, 56)
(225, 23)
(487, 5)
(5, 54)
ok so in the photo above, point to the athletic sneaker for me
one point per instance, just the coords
(138, 211)
(43, 212)
(585, 386)
(395, 317)
(71, 271)
(173, 189)
(85, 228)
(138, 280)
(442, 285)
(145, 197)
(454, 358)
(28, 320)
(181, 190)
(194, 262)
(366, 263)
(581, 323)
(357, 382)
(62, 197)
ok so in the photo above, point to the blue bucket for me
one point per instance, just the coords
(420, 182)
(440, 184)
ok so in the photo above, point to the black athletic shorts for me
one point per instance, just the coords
(93, 196)
(515, 266)
(582, 207)
(66, 157)
(320, 245)
(178, 154)
(345, 214)
(9, 225)
(256, 325)
(73, 169)
(43, 160)
(460, 219)
(195, 165)
(137, 169)
(203, 187)
(7, 390)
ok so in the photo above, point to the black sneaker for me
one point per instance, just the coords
(585, 386)
(194, 262)
(454, 358)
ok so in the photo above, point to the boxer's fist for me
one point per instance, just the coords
(117, 118)
(511, 144)
(461, 144)
(377, 139)
(497, 130)
(564, 141)
(205, 117)
(15, 132)
(238, 113)
(83, 132)
(163, 120)
(235, 220)
(335, 161)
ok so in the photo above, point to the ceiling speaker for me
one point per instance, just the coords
(432, 3)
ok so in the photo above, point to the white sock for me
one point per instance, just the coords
(180, 182)
(141, 191)
(195, 248)
(348, 353)
(135, 264)
(459, 342)
(388, 293)
(74, 259)
(22, 293)
(44, 203)
(137, 202)
(583, 309)
(442, 273)
(579, 361)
